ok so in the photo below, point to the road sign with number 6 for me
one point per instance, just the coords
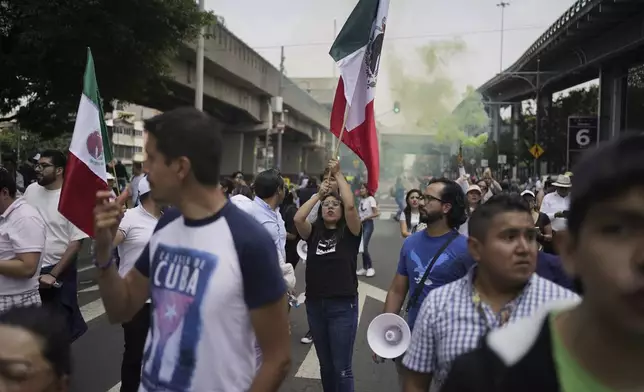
(583, 133)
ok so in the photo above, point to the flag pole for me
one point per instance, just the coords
(337, 147)
(109, 145)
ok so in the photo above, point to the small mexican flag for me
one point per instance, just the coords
(89, 151)
(356, 51)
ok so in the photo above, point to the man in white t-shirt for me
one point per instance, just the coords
(22, 239)
(210, 269)
(63, 241)
(133, 235)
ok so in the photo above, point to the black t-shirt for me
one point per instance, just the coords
(331, 263)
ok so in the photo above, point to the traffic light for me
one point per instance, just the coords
(396, 107)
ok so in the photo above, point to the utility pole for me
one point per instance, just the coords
(502, 5)
(280, 131)
(200, 57)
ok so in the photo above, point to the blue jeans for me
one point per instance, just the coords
(400, 201)
(334, 323)
(367, 232)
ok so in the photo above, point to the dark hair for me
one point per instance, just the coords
(364, 185)
(268, 183)
(452, 194)
(243, 190)
(138, 165)
(289, 199)
(407, 209)
(319, 223)
(236, 173)
(498, 204)
(312, 183)
(7, 181)
(606, 172)
(50, 329)
(228, 184)
(58, 159)
(191, 133)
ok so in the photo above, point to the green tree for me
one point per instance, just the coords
(43, 46)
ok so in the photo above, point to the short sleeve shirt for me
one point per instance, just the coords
(205, 276)
(22, 230)
(366, 206)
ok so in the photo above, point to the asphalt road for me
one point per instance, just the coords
(97, 354)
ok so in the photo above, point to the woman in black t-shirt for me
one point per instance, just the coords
(331, 282)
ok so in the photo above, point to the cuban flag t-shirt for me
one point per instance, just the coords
(205, 277)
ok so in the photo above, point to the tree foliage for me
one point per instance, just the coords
(43, 48)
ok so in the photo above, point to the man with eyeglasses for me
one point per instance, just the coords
(438, 244)
(63, 241)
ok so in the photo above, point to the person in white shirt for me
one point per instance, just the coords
(269, 193)
(133, 235)
(137, 175)
(22, 240)
(368, 210)
(557, 203)
(211, 271)
(58, 275)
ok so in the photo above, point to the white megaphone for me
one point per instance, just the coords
(388, 336)
(302, 248)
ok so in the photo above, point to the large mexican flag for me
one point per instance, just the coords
(89, 151)
(356, 51)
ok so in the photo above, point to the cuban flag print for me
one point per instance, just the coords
(179, 279)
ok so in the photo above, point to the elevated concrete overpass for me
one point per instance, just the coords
(238, 86)
(592, 39)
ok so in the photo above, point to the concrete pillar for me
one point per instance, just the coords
(495, 117)
(249, 154)
(231, 153)
(613, 87)
(544, 109)
(291, 158)
(516, 115)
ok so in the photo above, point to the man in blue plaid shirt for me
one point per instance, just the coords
(501, 288)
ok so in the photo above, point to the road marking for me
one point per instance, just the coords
(310, 367)
(93, 309)
(89, 289)
(115, 388)
(87, 268)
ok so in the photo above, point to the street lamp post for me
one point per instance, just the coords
(537, 88)
(201, 43)
(502, 5)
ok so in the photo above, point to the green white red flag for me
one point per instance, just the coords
(356, 51)
(86, 173)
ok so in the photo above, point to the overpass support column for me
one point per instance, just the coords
(613, 86)
(544, 110)
(291, 158)
(239, 153)
(496, 122)
(516, 115)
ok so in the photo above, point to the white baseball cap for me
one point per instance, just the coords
(144, 186)
(110, 176)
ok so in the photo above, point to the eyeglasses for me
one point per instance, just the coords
(429, 198)
(42, 166)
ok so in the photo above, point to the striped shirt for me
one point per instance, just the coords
(450, 323)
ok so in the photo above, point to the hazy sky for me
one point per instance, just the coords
(305, 28)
